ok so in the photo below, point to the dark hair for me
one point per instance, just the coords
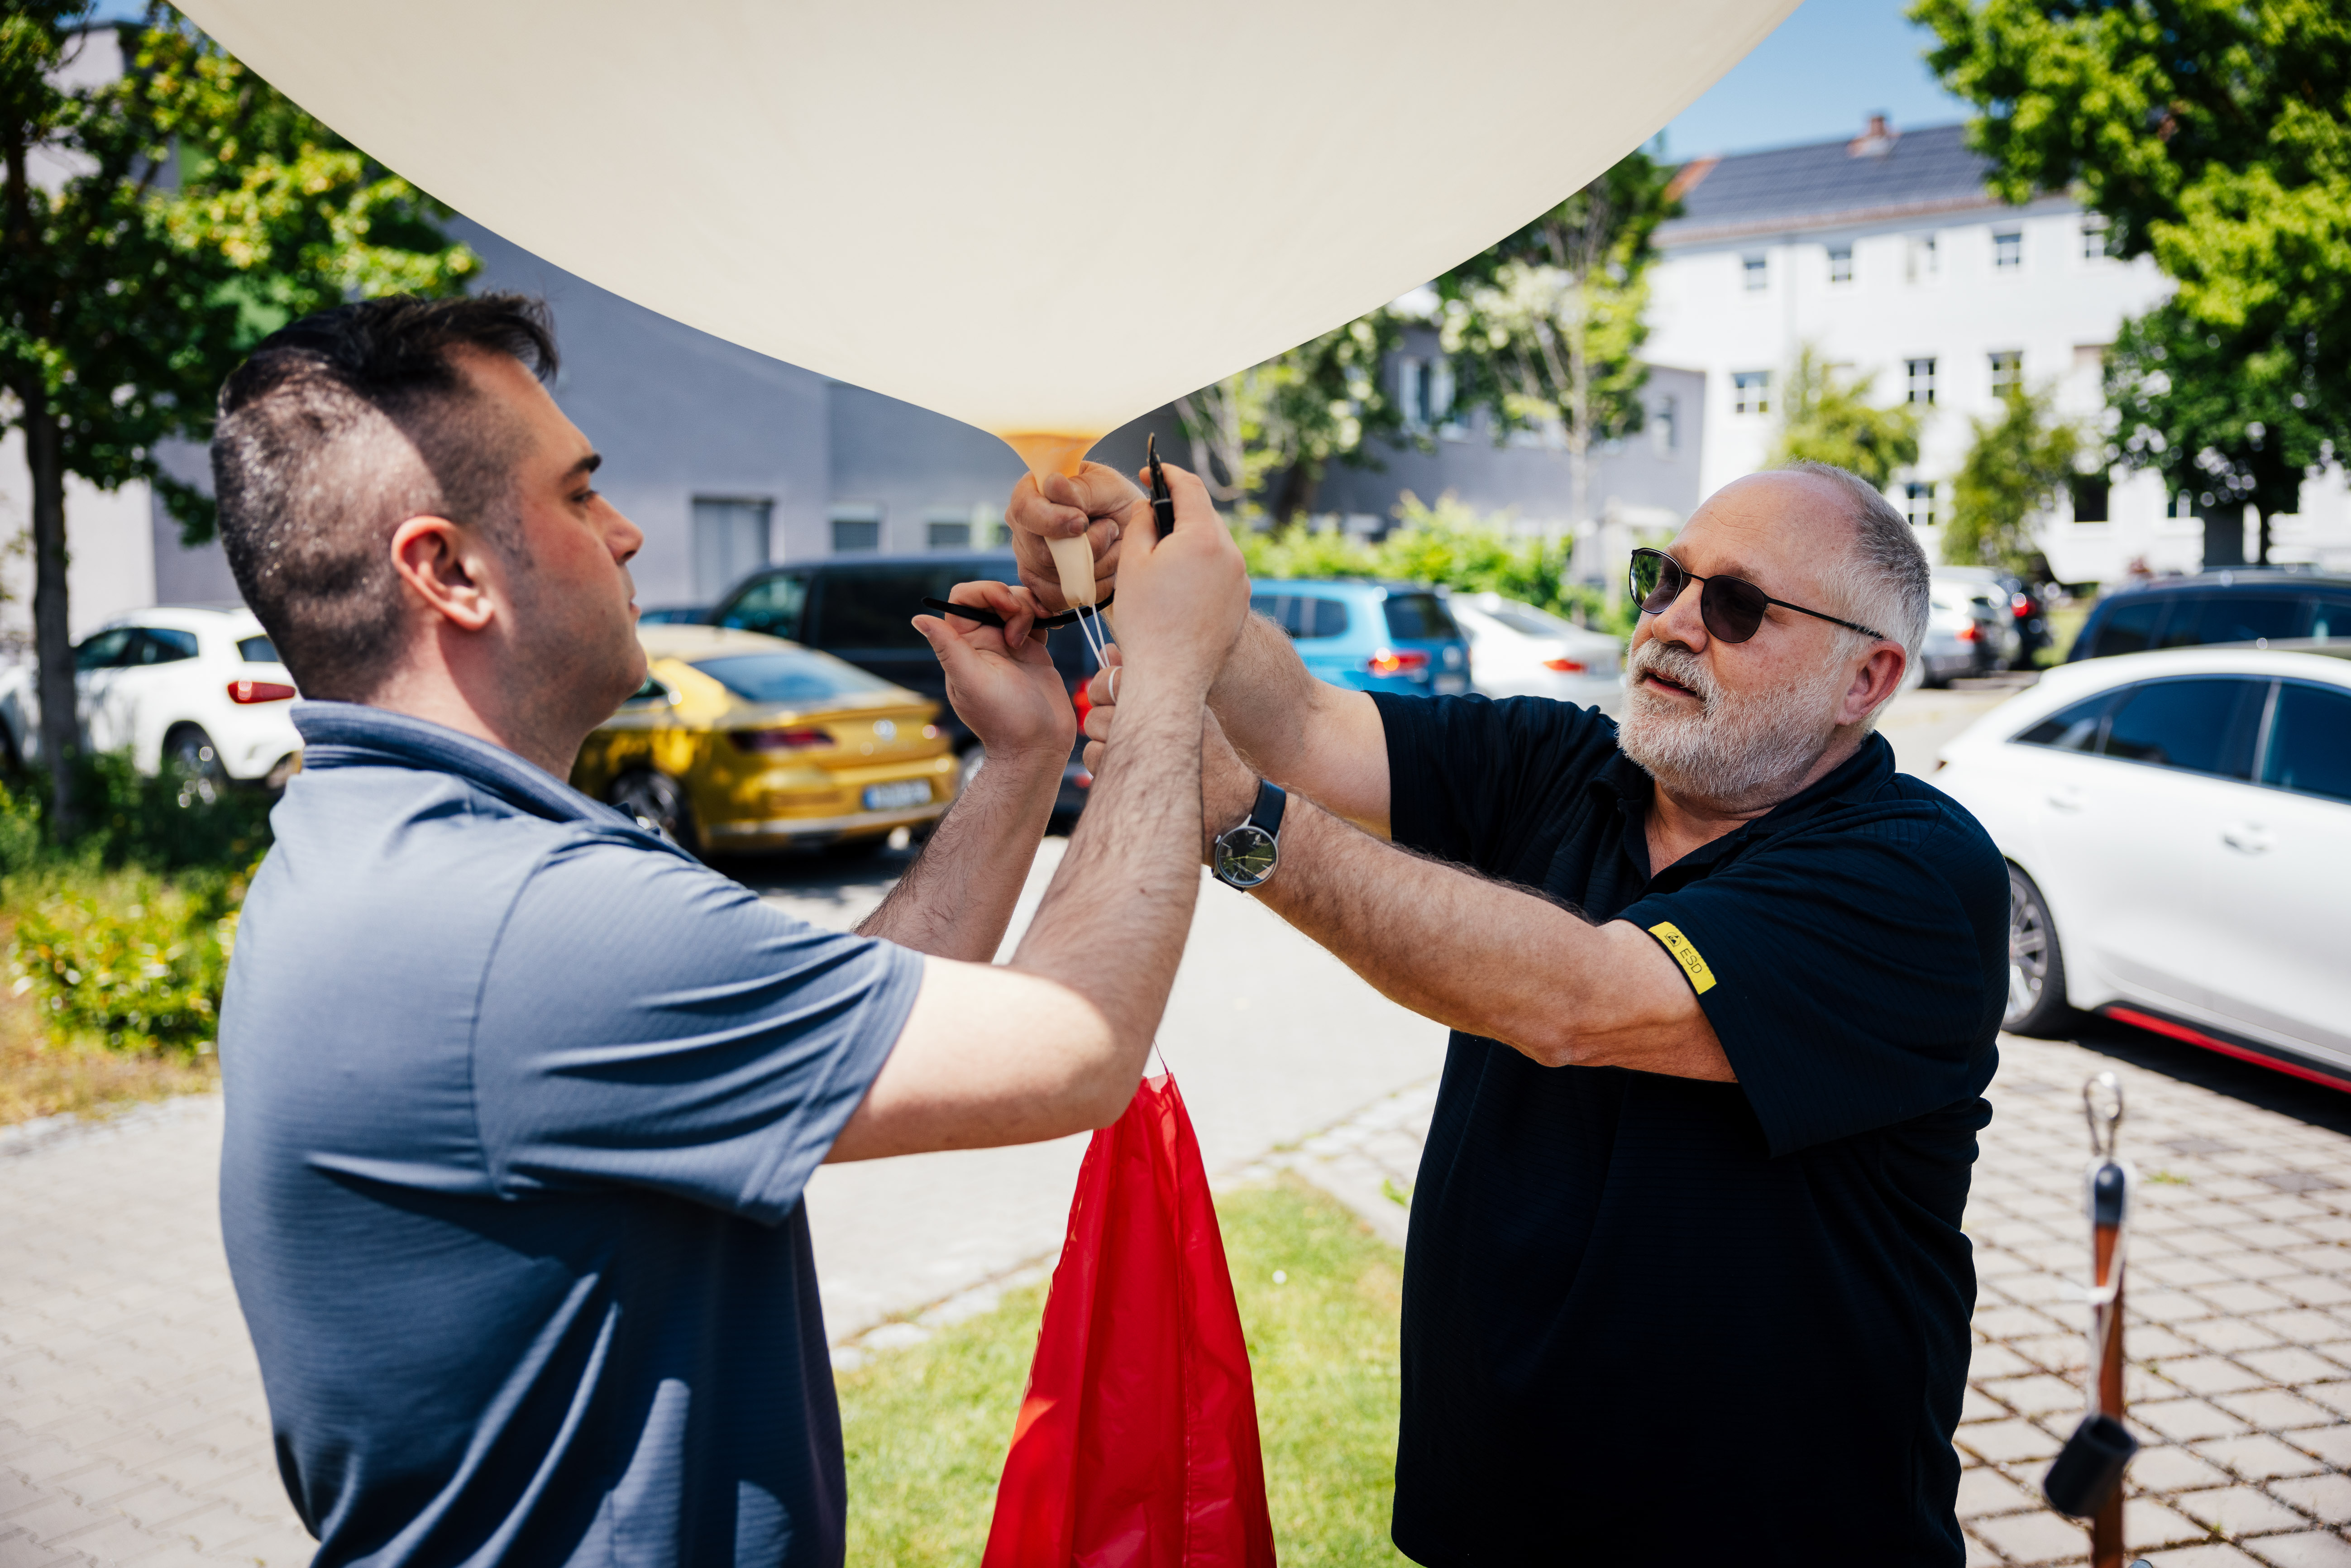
(336, 429)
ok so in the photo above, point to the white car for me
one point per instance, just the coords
(1519, 650)
(2177, 831)
(199, 688)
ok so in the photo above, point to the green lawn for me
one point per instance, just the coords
(926, 1427)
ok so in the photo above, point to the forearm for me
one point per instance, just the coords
(958, 897)
(1302, 732)
(1488, 958)
(1112, 926)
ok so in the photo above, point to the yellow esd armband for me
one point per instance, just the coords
(1701, 978)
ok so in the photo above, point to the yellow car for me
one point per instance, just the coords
(737, 741)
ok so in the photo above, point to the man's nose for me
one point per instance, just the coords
(627, 538)
(1680, 621)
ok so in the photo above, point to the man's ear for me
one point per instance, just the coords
(441, 565)
(1874, 682)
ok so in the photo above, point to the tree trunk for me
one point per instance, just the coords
(52, 641)
(1298, 488)
(2262, 549)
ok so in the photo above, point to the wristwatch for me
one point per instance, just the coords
(1245, 856)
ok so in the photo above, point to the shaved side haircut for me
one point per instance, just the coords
(339, 428)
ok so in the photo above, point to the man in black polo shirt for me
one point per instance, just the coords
(1686, 1281)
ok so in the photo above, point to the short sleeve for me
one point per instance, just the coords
(645, 1022)
(1855, 973)
(1470, 779)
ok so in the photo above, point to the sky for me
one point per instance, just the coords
(1819, 77)
(1828, 68)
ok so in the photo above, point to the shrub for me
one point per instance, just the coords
(126, 958)
(1449, 544)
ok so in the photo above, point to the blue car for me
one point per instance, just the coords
(1369, 636)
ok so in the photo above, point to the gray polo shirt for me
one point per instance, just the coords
(521, 1103)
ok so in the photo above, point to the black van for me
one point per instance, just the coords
(2243, 604)
(858, 608)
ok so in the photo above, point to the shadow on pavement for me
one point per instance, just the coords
(2313, 1103)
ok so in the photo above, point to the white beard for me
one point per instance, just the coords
(1737, 750)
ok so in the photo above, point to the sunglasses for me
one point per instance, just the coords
(1731, 607)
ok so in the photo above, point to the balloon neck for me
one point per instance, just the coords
(1050, 452)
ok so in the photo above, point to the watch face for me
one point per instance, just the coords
(1246, 856)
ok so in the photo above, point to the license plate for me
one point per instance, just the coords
(1450, 686)
(896, 797)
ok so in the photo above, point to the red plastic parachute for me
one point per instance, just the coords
(1136, 1446)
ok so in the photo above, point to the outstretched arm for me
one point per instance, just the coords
(1055, 1043)
(958, 897)
(1479, 956)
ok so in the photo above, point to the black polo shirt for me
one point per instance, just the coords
(1651, 1320)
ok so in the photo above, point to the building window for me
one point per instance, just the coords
(730, 542)
(2007, 372)
(1919, 379)
(2091, 494)
(1924, 260)
(2008, 250)
(1758, 272)
(1424, 391)
(1840, 264)
(1750, 391)
(856, 528)
(2093, 237)
(946, 530)
(1665, 425)
(1919, 505)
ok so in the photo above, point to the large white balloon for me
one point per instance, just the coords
(1044, 217)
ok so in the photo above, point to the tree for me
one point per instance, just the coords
(1288, 419)
(1544, 328)
(2015, 467)
(2230, 424)
(1828, 418)
(2217, 139)
(193, 209)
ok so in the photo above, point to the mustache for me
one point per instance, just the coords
(1676, 663)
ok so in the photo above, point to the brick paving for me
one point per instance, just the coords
(132, 1430)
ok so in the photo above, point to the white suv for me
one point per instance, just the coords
(197, 686)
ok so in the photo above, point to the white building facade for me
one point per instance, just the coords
(1887, 258)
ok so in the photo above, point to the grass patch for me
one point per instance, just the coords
(926, 1427)
(2064, 625)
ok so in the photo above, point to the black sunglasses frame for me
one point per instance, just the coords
(1711, 605)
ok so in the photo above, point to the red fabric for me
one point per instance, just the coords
(1136, 1446)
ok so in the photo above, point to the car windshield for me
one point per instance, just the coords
(789, 676)
(256, 649)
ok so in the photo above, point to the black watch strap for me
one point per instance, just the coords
(1265, 812)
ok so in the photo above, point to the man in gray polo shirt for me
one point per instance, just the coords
(522, 1099)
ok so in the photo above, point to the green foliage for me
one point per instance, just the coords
(926, 1428)
(1448, 544)
(2232, 423)
(1290, 417)
(2216, 138)
(1828, 418)
(1544, 328)
(128, 960)
(2015, 468)
(208, 211)
(109, 950)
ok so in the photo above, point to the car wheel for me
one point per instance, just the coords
(190, 756)
(658, 803)
(2036, 966)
